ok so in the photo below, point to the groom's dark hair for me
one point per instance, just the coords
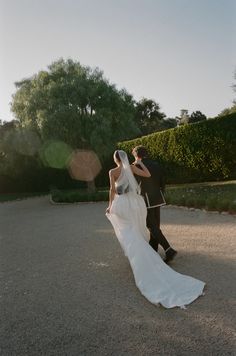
(141, 151)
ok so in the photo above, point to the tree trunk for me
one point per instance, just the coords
(91, 186)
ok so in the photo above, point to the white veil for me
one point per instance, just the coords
(126, 180)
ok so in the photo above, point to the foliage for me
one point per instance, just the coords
(148, 117)
(169, 123)
(232, 109)
(196, 116)
(77, 105)
(228, 111)
(11, 160)
(194, 153)
(73, 196)
(210, 196)
(234, 86)
(21, 170)
(20, 196)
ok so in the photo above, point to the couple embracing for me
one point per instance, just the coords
(134, 206)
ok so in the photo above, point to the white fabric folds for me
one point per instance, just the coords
(159, 283)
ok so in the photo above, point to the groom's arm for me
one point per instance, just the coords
(138, 178)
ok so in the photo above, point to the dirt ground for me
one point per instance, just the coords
(67, 289)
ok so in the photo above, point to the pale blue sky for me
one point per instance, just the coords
(181, 53)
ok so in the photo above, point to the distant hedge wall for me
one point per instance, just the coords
(197, 152)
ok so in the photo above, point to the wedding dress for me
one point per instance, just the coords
(159, 283)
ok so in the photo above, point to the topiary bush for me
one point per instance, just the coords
(198, 152)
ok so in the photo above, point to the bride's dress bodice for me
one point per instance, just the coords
(122, 184)
(121, 188)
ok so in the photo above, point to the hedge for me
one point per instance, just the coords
(198, 152)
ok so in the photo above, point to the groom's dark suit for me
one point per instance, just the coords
(151, 189)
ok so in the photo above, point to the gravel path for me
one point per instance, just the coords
(67, 289)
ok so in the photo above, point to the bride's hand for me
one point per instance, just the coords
(108, 210)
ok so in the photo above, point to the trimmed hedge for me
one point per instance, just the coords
(203, 151)
(210, 196)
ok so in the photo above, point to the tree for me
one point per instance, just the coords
(234, 87)
(196, 116)
(148, 116)
(228, 111)
(232, 109)
(77, 105)
(10, 158)
(169, 123)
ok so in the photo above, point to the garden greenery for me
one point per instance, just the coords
(198, 152)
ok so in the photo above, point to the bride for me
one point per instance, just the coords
(127, 213)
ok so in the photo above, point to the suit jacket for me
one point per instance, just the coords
(152, 188)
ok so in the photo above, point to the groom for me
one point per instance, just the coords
(151, 189)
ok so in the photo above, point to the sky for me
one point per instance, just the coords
(180, 53)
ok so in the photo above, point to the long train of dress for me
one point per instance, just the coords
(159, 283)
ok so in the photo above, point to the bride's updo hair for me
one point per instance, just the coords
(116, 156)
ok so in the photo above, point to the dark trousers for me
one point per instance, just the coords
(153, 224)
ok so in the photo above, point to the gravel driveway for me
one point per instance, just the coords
(67, 289)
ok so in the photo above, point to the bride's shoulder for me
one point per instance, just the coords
(114, 172)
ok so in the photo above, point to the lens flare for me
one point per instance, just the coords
(84, 165)
(55, 154)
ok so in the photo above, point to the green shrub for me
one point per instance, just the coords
(232, 207)
(211, 203)
(212, 196)
(223, 205)
(199, 203)
(73, 196)
(190, 202)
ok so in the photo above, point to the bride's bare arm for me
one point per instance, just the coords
(144, 172)
(111, 191)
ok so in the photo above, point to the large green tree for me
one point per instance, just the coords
(77, 105)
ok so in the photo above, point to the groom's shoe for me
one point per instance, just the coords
(170, 254)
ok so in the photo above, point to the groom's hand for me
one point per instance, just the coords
(138, 161)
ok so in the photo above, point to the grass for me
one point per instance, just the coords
(219, 196)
